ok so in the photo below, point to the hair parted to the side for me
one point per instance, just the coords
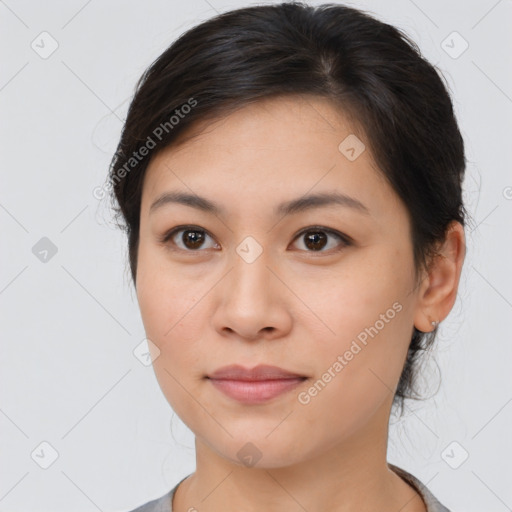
(370, 70)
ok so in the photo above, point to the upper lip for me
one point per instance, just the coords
(260, 372)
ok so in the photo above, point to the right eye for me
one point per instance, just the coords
(191, 239)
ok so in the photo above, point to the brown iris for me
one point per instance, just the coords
(315, 240)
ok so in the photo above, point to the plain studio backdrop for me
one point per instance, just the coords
(83, 423)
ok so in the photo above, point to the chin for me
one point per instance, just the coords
(259, 452)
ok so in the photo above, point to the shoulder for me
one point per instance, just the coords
(162, 504)
(431, 502)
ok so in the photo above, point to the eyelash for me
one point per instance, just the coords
(166, 238)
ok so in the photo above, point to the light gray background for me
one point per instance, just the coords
(68, 374)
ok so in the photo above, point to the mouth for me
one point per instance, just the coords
(256, 385)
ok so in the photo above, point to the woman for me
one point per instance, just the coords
(289, 179)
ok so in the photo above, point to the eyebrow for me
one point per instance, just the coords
(300, 204)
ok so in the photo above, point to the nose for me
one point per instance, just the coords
(252, 302)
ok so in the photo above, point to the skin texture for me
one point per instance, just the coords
(294, 306)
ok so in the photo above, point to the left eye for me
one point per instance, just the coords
(314, 238)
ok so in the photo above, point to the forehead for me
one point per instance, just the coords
(280, 122)
(274, 148)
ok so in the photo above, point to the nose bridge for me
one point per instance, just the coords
(250, 277)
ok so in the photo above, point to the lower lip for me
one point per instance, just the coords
(255, 392)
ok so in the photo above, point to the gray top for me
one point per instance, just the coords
(164, 503)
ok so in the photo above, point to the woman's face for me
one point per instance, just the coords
(258, 284)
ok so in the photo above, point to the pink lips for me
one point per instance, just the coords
(256, 385)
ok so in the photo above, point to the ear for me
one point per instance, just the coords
(438, 290)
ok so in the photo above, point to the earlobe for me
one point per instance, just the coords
(438, 291)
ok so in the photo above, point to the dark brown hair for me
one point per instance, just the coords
(369, 69)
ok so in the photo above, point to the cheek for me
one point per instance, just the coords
(169, 302)
(172, 313)
(364, 332)
(347, 298)
(357, 371)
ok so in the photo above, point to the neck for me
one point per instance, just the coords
(350, 476)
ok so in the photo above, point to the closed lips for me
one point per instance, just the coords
(258, 373)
